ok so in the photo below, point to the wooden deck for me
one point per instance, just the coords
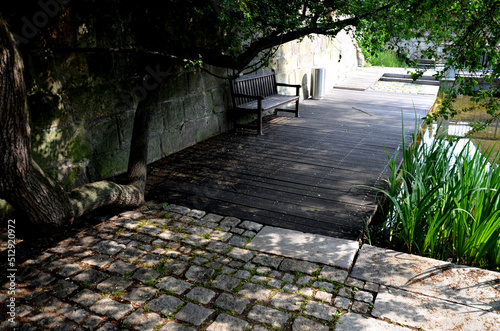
(360, 80)
(303, 173)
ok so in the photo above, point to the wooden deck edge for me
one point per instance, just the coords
(350, 88)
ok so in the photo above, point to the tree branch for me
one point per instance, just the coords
(277, 39)
(92, 196)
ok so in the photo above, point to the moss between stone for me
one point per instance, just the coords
(110, 164)
(47, 111)
(59, 146)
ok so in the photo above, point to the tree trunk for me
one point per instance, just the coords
(21, 180)
(46, 206)
(95, 195)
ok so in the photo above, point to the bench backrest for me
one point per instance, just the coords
(262, 85)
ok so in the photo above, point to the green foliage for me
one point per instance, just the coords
(245, 34)
(461, 36)
(386, 58)
(371, 39)
(444, 203)
(194, 64)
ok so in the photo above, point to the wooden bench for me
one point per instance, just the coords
(259, 93)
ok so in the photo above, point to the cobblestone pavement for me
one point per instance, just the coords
(167, 267)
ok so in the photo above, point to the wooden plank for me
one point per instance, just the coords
(241, 182)
(359, 80)
(321, 162)
(276, 169)
(288, 215)
(270, 102)
(267, 197)
(338, 178)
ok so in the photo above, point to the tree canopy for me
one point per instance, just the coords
(244, 31)
(462, 36)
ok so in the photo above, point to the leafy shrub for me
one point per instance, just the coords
(444, 203)
(386, 58)
(374, 42)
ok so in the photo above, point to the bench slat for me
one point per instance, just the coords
(269, 102)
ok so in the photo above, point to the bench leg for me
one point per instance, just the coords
(259, 120)
(297, 109)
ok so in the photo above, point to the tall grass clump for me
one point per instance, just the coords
(443, 202)
(386, 58)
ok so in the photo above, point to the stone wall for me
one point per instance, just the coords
(296, 60)
(82, 120)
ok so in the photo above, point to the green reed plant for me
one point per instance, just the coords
(444, 203)
(386, 58)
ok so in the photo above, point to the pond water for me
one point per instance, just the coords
(460, 125)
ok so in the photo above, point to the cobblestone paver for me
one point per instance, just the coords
(167, 267)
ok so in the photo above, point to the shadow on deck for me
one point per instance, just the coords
(303, 173)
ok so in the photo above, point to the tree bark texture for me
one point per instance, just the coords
(43, 202)
(22, 181)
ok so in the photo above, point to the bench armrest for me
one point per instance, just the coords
(297, 87)
(256, 97)
(289, 85)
